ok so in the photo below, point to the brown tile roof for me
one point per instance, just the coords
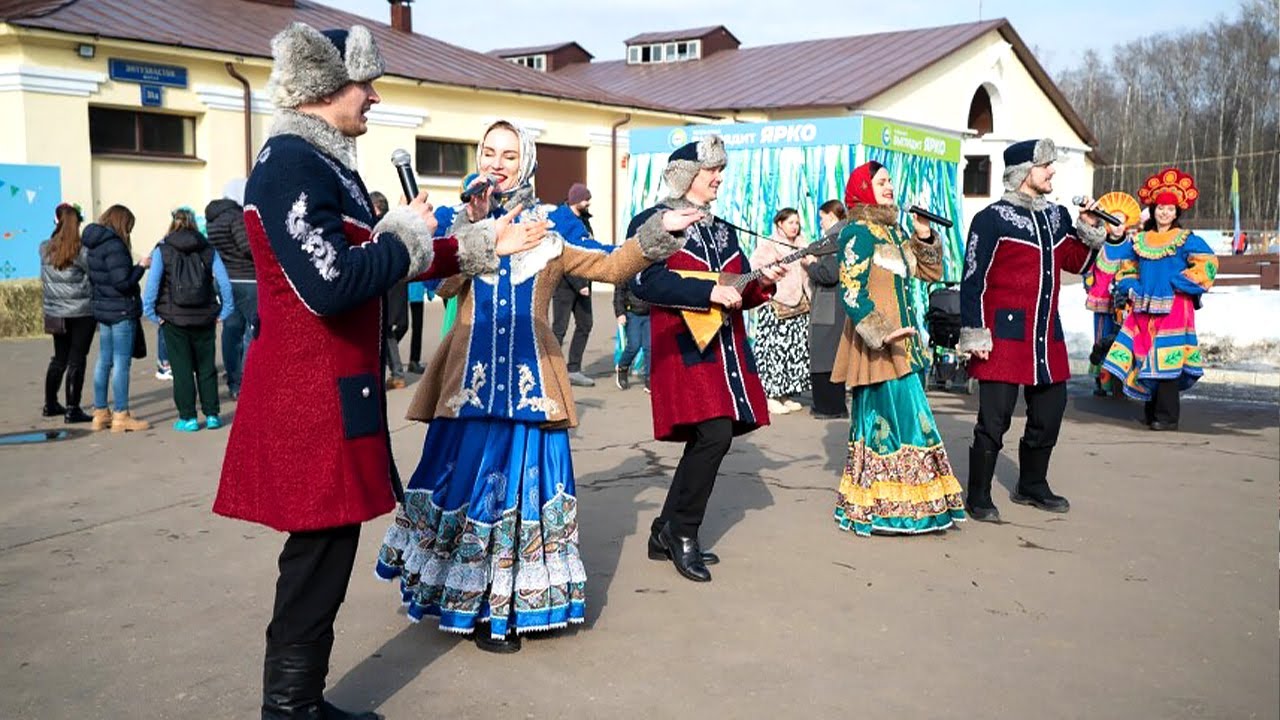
(810, 74)
(535, 50)
(245, 28)
(673, 35)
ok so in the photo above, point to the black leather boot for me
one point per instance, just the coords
(977, 502)
(75, 384)
(685, 553)
(658, 552)
(52, 383)
(293, 684)
(1033, 481)
(505, 646)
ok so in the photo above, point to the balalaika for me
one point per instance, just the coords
(704, 324)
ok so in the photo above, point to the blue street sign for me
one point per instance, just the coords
(152, 95)
(144, 72)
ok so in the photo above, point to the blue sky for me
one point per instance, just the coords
(1059, 31)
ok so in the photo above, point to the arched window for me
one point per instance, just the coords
(980, 118)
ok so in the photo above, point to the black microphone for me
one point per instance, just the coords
(1080, 201)
(477, 187)
(404, 168)
(931, 217)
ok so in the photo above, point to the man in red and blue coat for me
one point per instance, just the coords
(309, 452)
(1017, 249)
(701, 397)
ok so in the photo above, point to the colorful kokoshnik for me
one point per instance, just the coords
(897, 478)
(488, 531)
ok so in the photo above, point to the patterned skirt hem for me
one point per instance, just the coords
(899, 525)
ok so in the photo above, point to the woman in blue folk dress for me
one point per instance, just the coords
(488, 530)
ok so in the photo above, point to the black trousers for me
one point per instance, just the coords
(828, 397)
(415, 332)
(564, 302)
(69, 352)
(1164, 405)
(996, 400)
(315, 568)
(695, 476)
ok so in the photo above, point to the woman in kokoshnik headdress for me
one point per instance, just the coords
(897, 478)
(1100, 286)
(1162, 273)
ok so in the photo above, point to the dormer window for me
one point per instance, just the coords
(664, 52)
(537, 62)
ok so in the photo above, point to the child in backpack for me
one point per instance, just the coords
(187, 293)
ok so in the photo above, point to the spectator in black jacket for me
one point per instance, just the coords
(117, 306)
(633, 318)
(224, 224)
(64, 280)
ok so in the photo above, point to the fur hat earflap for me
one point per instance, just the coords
(310, 65)
(1020, 157)
(683, 164)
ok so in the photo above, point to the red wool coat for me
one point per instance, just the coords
(690, 386)
(1009, 292)
(309, 447)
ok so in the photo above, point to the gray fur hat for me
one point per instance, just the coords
(1020, 157)
(310, 64)
(688, 159)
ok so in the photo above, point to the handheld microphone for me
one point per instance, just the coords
(1080, 200)
(404, 168)
(931, 217)
(478, 187)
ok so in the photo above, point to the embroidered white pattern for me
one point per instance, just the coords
(352, 188)
(1011, 215)
(1055, 219)
(538, 404)
(470, 395)
(971, 256)
(262, 156)
(323, 255)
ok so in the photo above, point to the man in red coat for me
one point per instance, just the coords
(1017, 248)
(309, 452)
(701, 397)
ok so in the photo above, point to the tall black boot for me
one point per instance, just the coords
(75, 384)
(982, 467)
(1033, 480)
(293, 684)
(52, 383)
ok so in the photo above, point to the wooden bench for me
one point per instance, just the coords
(1262, 270)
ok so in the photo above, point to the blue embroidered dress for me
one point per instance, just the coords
(488, 531)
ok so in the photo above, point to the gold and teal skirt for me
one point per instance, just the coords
(897, 478)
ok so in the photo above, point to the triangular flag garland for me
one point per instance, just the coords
(14, 190)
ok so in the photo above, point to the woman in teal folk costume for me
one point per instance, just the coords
(486, 538)
(897, 479)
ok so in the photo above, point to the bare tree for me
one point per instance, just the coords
(1206, 101)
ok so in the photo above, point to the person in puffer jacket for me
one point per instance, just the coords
(224, 226)
(117, 305)
(64, 281)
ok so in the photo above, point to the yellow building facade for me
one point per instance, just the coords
(53, 98)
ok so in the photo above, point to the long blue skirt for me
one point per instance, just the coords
(488, 531)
